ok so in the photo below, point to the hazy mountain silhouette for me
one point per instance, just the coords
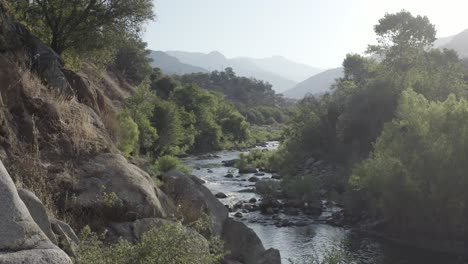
(287, 68)
(317, 84)
(459, 43)
(242, 66)
(171, 65)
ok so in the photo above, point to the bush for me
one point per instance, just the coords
(416, 175)
(167, 163)
(128, 134)
(169, 244)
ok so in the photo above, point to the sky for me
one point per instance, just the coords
(315, 32)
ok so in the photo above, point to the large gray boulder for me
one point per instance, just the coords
(21, 239)
(45, 61)
(66, 237)
(38, 212)
(116, 191)
(245, 246)
(193, 200)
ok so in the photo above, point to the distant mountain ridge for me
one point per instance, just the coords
(171, 65)
(317, 84)
(282, 73)
(458, 42)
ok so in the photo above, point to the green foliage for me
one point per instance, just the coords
(140, 107)
(417, 138)
(128, 133)
(83, 26)
(260, 134)
(132, 61)
(415, 177)
(169, 244)
(255, 99)
(173, 118)
(167, 163)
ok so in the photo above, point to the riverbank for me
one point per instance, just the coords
(297, 236)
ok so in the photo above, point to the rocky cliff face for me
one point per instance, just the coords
(57, 136)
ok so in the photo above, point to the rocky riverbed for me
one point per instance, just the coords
(297, 233)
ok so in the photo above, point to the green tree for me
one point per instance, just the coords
(402, 37)
(132, 61)
(82, 25)
(416, 175)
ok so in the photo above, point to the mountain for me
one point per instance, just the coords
(171, 65)
(242, 66)
(317, 84)
(459, 43)
(287, 68)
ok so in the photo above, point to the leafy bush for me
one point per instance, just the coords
(416, 175)
(167, 163)
(169, 244)
(128, 134)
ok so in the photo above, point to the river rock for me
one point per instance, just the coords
(194, 200)
(245, 246)
(249, 190)
(276, 176)
(248, 170)
(270, 206)
(259, 174)
(238, 215)
(21, 239)
(230, 163)
(253, 179)
(38, 213)
(253, 200)
(221, 195)
(136, 195)
(229, 176)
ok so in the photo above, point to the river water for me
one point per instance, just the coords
(297, 243)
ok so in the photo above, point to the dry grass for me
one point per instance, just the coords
(112, 125)
(28, 173)
(79, 123)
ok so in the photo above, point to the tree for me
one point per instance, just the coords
(401, 37)
(358, 69)
(132, 61)
(82, 25)
(416, 176)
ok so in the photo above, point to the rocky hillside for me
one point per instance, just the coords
(57, 141)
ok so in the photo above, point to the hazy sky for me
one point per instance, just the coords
(318, 33)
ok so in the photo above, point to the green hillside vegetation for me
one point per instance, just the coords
(398, 126)
(255, 99)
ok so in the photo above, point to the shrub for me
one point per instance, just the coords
(128, 135)
(416, 175)
(169, 244)
(167, 163)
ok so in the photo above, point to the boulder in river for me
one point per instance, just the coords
(229, 175)
(248, 169)
(230, 163)
(21, 239)
(245, 246)
(221, 195)
(253, 179)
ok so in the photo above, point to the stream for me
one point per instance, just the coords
(297, 242)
